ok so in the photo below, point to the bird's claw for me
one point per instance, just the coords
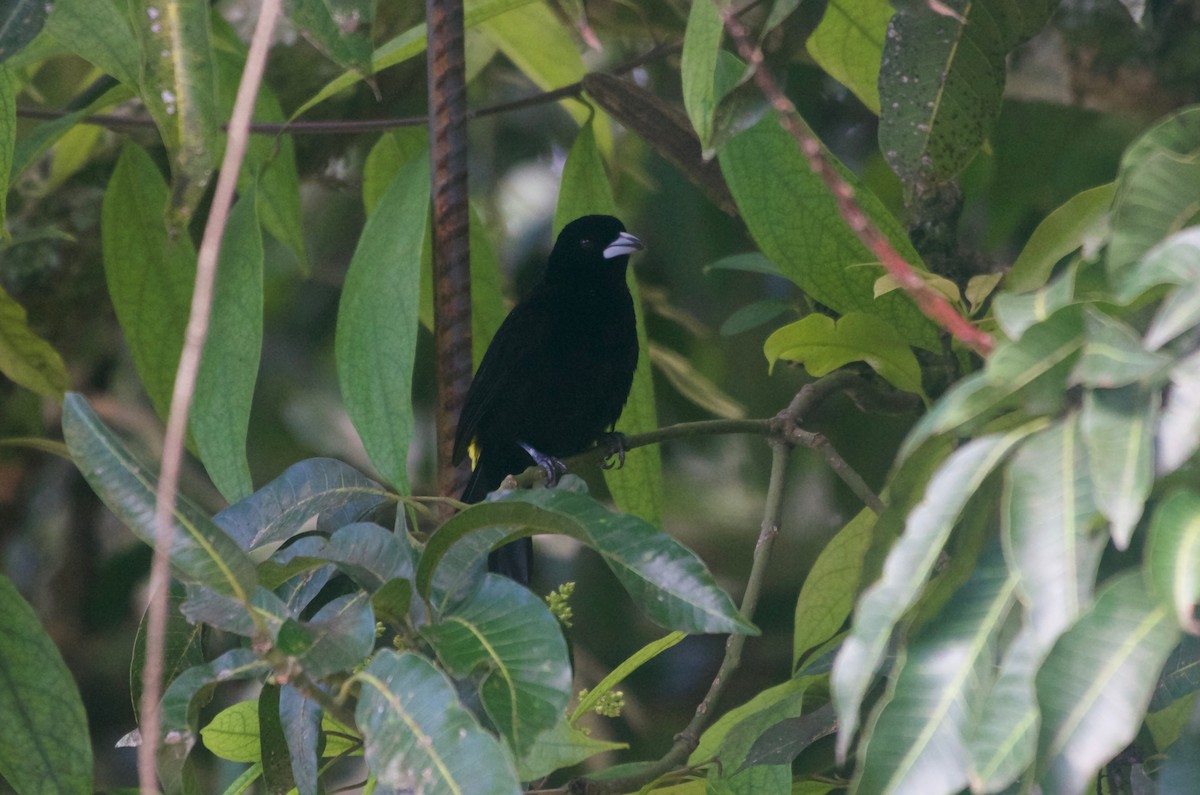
(553, 467)
(613, 444)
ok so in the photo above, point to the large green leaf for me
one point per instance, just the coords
(917, 740)
(831, 586)
(1048, 513)
(220, 418)
(178, 87)
(585, 190)
(941, 81)
(794, 220)
(1118, 429)
(908, 565)
(200, 551)
(1113, 355)
(1173, 556)
(377, 323)
(44, 745)
(823, 346)
(416, 731)
(1094, 686)
(149, 272)
(283, 507)
(506, 630)
(665, 579)
(848, 44)
(26, 358)
(1158, 188)
(562, 746)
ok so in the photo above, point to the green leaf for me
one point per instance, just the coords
(1173, 556)
(622, 671)
(698, 67)
(19, 23)
(1179, 313)
(149, 273)
(338, 638)
(408, 44)
(908, 565)
(1048, 514)
(44, 745)
(9, 89)
(585, 190)
(848, 44)
(823, 346)
(917, 740)
(1158, 188)
(26, 358)
(282, 508)
(1118, 429)
(1094, 686)
(369, 554)
(1113, 355)
(341, 29)
(1002, 741)
(749, 262)
(181, 707)
(694, 385)
(771, 705)
(537, 43)
(665, 579)
(831, 586)
(270, 165)
(200, 551)
(1178, 433)
(377, 323)
(97, 32)
(220, 418)
(1182, 768)
(1175, 260)
(560, 747)
(1016, 313)
(753, 315)
(507, 631)
(276, 759)
(1059, 233)
(232, 734)
(35, 142)
(941, 83)
(300, 718)
(178, 87)
(183, 646)
(415, 729)
(794, 220)
(262, 616)
(1180, 676)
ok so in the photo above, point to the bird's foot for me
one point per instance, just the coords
(553, 468)
(613, 444)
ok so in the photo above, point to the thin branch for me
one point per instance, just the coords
(931, 303)
(114, 121)
(185, 384)
(687, 740)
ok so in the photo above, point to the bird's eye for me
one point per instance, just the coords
(587, 243)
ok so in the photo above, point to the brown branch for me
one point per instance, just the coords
(931, 303)
(185, 385)
(451, 223)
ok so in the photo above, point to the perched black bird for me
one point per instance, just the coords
(557, 373)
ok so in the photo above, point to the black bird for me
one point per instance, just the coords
(557, 374)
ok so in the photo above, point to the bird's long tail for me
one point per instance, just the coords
(513, 560)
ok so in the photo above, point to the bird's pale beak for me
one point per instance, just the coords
(624, 244)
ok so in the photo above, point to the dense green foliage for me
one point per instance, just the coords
(1020, 612)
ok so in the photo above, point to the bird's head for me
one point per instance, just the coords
(592, 246)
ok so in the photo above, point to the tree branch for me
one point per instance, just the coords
(931, 303)
(185, 385)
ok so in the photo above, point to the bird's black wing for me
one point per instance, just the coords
(504, 370)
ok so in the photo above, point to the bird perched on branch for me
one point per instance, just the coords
(557, 374)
